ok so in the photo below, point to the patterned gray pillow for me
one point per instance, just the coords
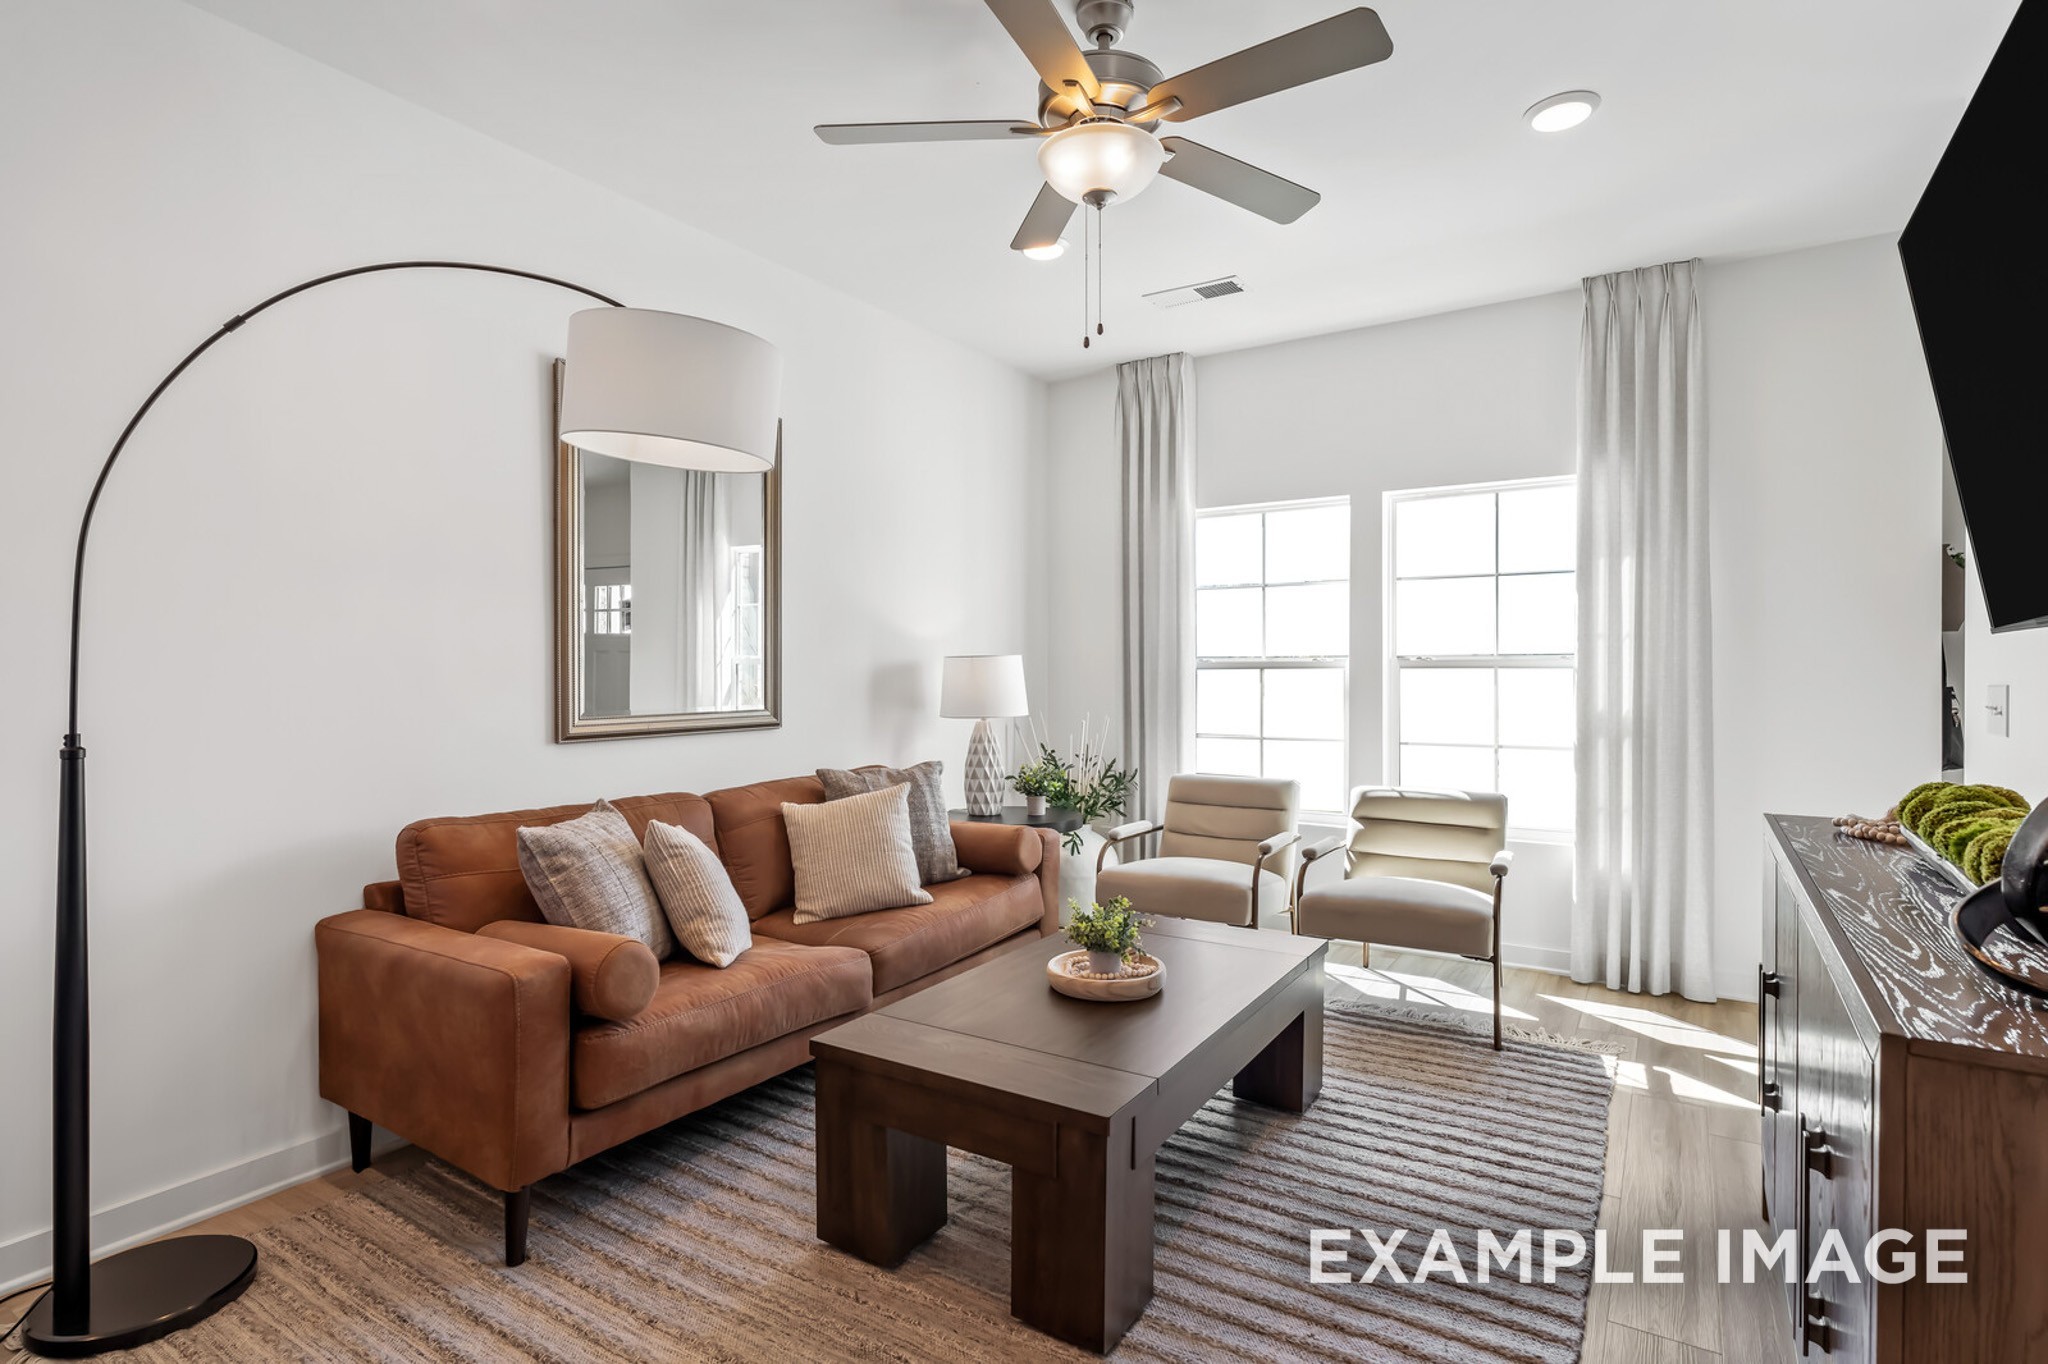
(931, 831)
(587, 872)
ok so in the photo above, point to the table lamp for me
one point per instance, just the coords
(984, 687)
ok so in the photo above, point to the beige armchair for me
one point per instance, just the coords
(1424, 869)
(1224, 851)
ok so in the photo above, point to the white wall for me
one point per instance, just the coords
(2019, 662)
(1825, 470)
(1827, 514)
(319, 593)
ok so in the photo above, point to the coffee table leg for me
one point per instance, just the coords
(1289, 1072)
(1081, 1240)
(881, 1193)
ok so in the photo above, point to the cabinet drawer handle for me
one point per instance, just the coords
(1768, 983)
(1771, 1096)
(1820, 1332)
(1818, 1154)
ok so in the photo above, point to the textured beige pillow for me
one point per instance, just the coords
(587, 873)
(696, 894)
(931, 831)
(853, 855)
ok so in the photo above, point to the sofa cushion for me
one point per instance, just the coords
(753, 842)
(589, 872)
(906, 944)
(702, 907)
(853, 856)
(463, 872)
(931, 832)
(610, 976)
(700, 1014)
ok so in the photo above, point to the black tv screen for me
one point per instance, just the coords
(1972, 255)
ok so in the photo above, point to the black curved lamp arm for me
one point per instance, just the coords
(170, 1285)
(235, 323)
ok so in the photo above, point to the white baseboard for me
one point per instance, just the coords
(26, 1258)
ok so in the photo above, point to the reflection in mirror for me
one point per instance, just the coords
(666, 593)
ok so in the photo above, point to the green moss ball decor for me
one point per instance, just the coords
(1984, 859)
(1958, 836)
(1918, 799)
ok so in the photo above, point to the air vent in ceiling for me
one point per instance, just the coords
(1195, 293)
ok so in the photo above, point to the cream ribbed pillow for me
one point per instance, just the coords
(696, 895)
(853, 855)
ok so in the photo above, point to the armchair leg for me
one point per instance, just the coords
(358, 1142)
(1496, 999)
(517, 1204)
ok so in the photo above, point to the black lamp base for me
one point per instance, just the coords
(142, 1294)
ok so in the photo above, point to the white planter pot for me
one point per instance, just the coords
(1106, 963)
(1034, 806)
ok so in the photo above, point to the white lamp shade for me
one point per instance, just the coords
(983, 686)
(662, 388)
(1108, 156)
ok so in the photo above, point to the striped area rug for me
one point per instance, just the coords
(696, 1242)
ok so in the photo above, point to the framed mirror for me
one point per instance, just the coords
(668, 593)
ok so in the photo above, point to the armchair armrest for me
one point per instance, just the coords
(457, 1042)
(1123, 833)
(1313, 853)
(1268, 847)
(997, 849)
(1502, 860)
(611, 976)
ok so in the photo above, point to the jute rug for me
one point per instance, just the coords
(696, 1241)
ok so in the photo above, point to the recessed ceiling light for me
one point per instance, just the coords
(1052, 251)
(1560, 112)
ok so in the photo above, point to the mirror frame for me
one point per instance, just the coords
(570, 725)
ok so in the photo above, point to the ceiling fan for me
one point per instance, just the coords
(1099, 111)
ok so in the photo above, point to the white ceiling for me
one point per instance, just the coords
(1730, 127)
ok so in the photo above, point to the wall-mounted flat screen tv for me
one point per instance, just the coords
(1973, 259)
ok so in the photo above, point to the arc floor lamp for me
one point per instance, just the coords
(656, 387)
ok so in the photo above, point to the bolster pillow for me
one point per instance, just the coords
(610, 976)
(997, 849)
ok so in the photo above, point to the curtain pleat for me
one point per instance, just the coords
(1643, 914)
(1155, 416)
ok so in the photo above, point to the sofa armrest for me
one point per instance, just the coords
(611, 976)
(997, 849)
(456, 1042)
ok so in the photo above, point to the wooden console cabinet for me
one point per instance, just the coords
(1901, 1088)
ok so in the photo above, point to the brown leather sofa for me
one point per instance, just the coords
(452, 1015)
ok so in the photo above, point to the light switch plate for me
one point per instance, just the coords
(1996, 716)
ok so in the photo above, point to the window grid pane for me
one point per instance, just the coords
(1483, 621)
(1272, 637)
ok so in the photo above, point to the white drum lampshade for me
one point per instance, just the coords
(979, 687)
(663, 388)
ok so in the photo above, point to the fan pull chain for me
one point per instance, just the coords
(1098, 271)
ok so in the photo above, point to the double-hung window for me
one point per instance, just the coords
(1482, 635)
(1272, 644)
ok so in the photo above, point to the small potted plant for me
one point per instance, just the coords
(1108, 933)
(1040, 779)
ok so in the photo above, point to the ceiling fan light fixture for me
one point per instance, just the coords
(1052, 250)
(1559, 112)
(1100, 156)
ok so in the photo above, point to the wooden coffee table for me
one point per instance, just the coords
(1075, 1097)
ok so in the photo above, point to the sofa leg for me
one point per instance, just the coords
(517, 1203)
(358, 1142)
(1496, 1001)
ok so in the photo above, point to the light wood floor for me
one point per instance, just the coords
(1681, 1151)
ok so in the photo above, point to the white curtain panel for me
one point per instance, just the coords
(1642, 919)
(1155, 419)
(704, 592)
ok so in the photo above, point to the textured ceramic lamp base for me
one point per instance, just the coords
(984, 771)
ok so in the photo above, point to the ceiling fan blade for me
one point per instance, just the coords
(1343, 42)
(1036, 26)
(966, 130)
(1048, 218)
(1238, 182)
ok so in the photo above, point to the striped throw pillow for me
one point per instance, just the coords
(587, 872)
(696, 894)
(853, 855)
(931, 830)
